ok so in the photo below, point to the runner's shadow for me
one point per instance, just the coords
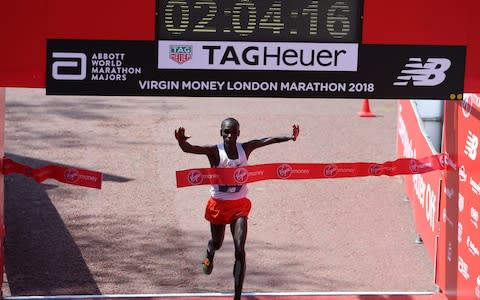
(40, 252)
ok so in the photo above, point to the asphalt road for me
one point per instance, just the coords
(139, 234)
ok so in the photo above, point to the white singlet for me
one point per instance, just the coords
(230, 192)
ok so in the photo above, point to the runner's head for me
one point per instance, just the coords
(230, 130)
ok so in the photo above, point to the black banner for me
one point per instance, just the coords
(300, 70)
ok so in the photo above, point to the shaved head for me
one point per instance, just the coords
(231, 121)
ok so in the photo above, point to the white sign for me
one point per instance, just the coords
(263, 56)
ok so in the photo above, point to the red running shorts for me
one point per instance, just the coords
(226, 211)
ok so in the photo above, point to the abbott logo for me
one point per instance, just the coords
(71, 61)
(431, 73)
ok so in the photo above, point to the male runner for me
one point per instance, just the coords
(229, 204)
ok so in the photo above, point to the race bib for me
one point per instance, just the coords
(229, 188)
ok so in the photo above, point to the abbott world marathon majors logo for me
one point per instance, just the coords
(104, 66)
(69, 66)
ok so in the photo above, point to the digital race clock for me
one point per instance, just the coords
(337, 21)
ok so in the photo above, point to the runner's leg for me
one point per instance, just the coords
(239, 233)
(218, 233)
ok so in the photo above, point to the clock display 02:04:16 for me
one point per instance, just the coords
(203, 17)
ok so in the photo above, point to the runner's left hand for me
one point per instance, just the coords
(296, 131)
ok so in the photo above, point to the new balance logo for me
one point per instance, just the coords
(471, 145)
(430, 73)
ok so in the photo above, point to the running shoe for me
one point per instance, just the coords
(207, 265)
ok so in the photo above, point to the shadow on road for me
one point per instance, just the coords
(42, 257)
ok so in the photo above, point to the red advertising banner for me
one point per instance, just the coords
(254, 173)
(446, 205)
(423, 190)
(466, 192)
(69, 175)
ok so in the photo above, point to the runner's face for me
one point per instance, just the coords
(229, 132)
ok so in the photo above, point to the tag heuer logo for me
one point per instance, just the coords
(180, 53)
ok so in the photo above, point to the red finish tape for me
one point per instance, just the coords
(248, 174)
(69, 175)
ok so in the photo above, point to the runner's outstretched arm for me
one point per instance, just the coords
(189, 148)
(257, 143)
